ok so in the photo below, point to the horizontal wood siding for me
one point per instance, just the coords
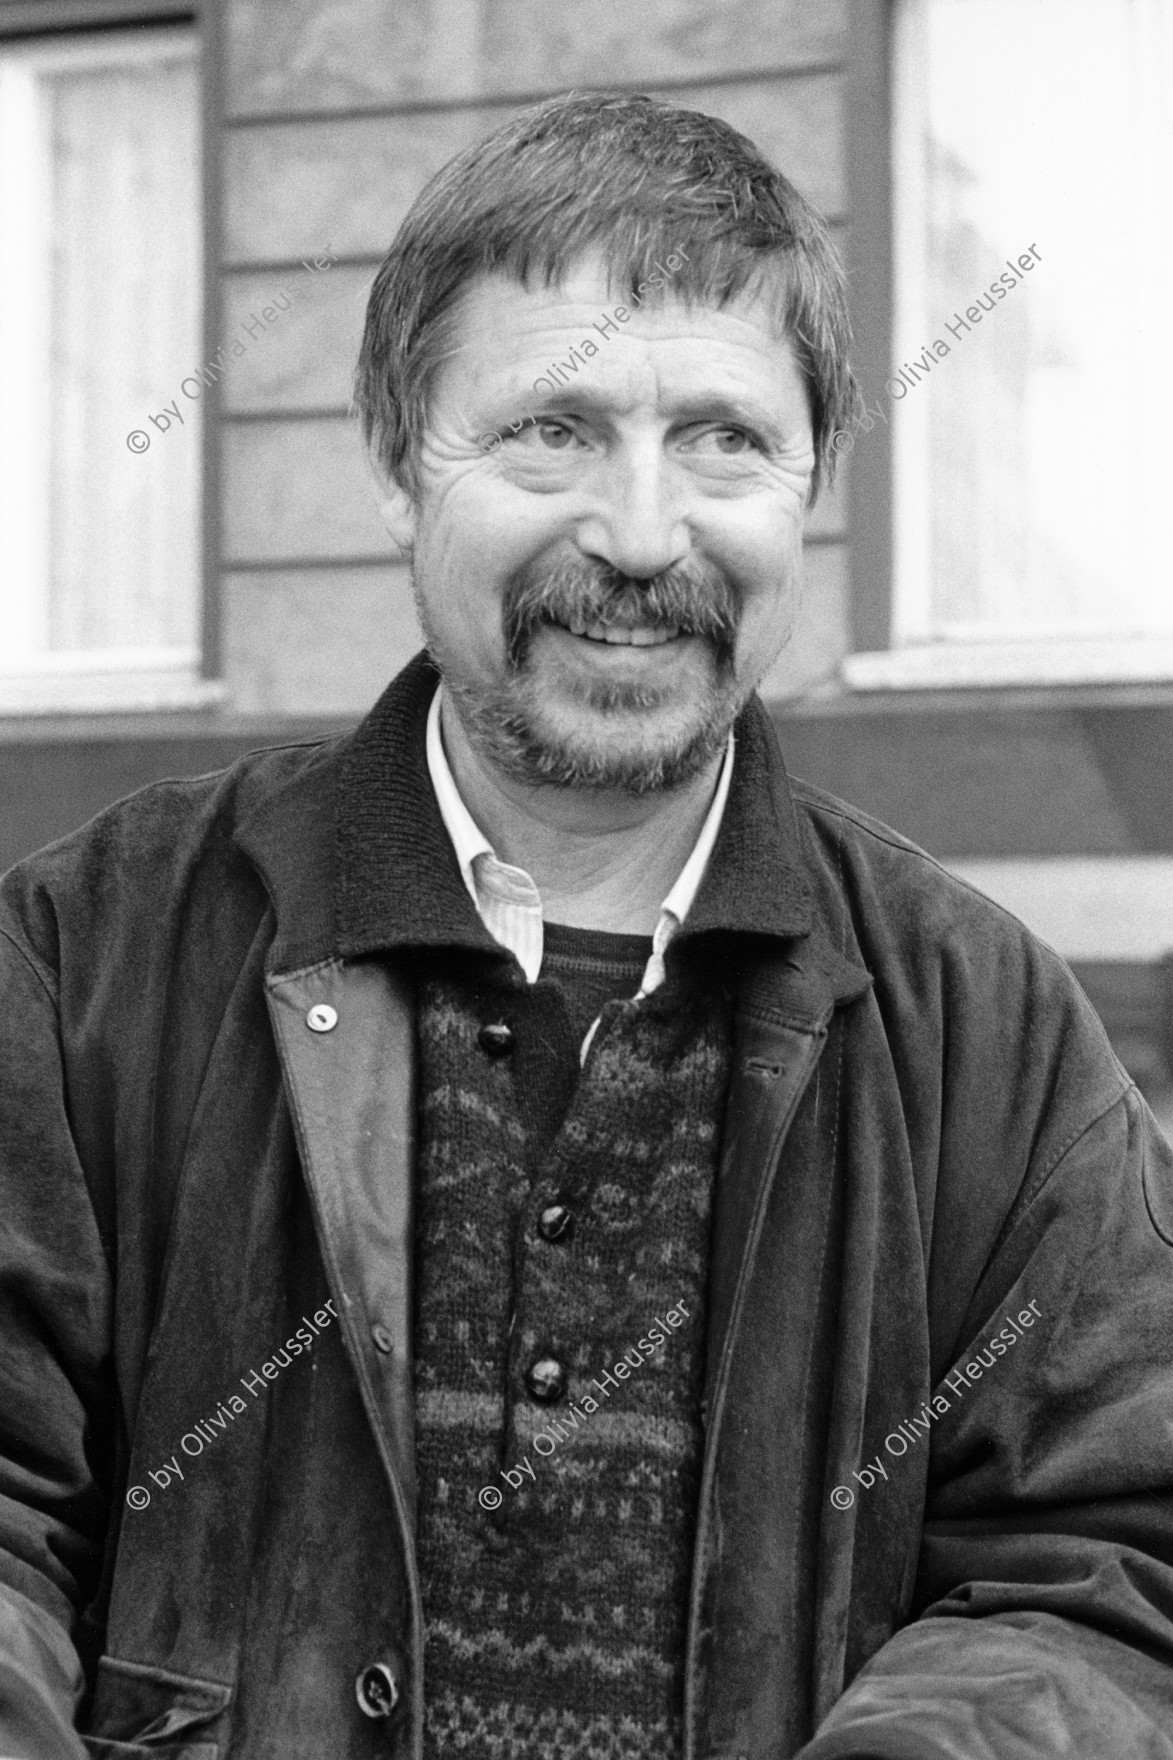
(37, 17)
(336, 115)
(292, 188)
(312, 55)
(318, 640)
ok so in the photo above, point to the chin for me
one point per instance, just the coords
(618, 738)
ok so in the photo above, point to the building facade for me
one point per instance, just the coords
(317, 123)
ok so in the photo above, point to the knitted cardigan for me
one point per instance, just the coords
(555, 1539)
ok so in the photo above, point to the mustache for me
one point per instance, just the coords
(693, 598)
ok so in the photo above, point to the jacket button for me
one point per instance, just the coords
(322, 1018)
(383, 1339)
(556, 1223)
(546, 1380)
(496, 1039)
(377, 1690)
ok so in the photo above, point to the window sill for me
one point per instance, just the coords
(107, 681)
(997, 665)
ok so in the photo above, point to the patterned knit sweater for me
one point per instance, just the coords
(555, 1534)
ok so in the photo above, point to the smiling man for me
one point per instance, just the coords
(603, 592)
(725, 1211)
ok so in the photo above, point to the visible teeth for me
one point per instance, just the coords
(639, 637)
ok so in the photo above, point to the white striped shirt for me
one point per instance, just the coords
(506, 899)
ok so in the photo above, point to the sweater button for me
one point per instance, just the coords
(546, 1380)
(496, 1039)
(377, 1690)
(556, 1223)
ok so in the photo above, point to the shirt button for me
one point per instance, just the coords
(322, 1018)
(377, 1690)
(496, 1039)
(546, 1380)
(556, 1223)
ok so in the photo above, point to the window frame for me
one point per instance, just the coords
(879, 502)
(24, 20)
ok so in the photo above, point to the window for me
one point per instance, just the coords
(100, 313)
(1030, 394)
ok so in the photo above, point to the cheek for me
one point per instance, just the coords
(756, 539)
(474, 535)
(770, 604)
(460, 574)
(768, 575)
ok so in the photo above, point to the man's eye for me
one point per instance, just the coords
(732, 440)
(726, 441)
(555, 435)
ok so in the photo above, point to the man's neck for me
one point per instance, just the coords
(601, 859)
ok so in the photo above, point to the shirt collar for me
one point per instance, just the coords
(506, 898)
(468, 840)
(358, 860)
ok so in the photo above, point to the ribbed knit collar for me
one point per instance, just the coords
(398, 882)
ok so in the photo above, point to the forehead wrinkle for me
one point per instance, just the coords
(642, 387)
(582, 294)
(510, 338)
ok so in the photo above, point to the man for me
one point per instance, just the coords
(525, 1232)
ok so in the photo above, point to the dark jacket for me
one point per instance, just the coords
(927, 1133)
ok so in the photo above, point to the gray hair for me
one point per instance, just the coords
(636, 179)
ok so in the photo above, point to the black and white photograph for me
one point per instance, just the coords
(586, 880)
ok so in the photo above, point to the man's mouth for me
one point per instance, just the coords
(639, 635)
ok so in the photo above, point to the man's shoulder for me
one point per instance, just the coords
(925, 933)
(215, 803)
(141, 858)
(824, 809)
(956, 974)
(884, 872)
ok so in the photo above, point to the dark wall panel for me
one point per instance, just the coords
(49, 786)
(983, 780)
(997, 779)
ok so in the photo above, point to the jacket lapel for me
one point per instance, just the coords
(786, 1005)
(346, 1041)
(345, 1034)
(785, 1008)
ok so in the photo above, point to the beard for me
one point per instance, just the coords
(612, 744)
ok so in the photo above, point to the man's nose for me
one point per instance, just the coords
(636, 520)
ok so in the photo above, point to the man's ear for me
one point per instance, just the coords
(397, 508)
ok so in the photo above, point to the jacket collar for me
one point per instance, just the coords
(357, 860)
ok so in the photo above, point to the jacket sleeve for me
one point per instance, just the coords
(55, 1409)
(40, 1683)
(1042, 1619)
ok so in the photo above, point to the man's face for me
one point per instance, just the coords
(604, 588)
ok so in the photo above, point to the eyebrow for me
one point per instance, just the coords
(706, 407)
